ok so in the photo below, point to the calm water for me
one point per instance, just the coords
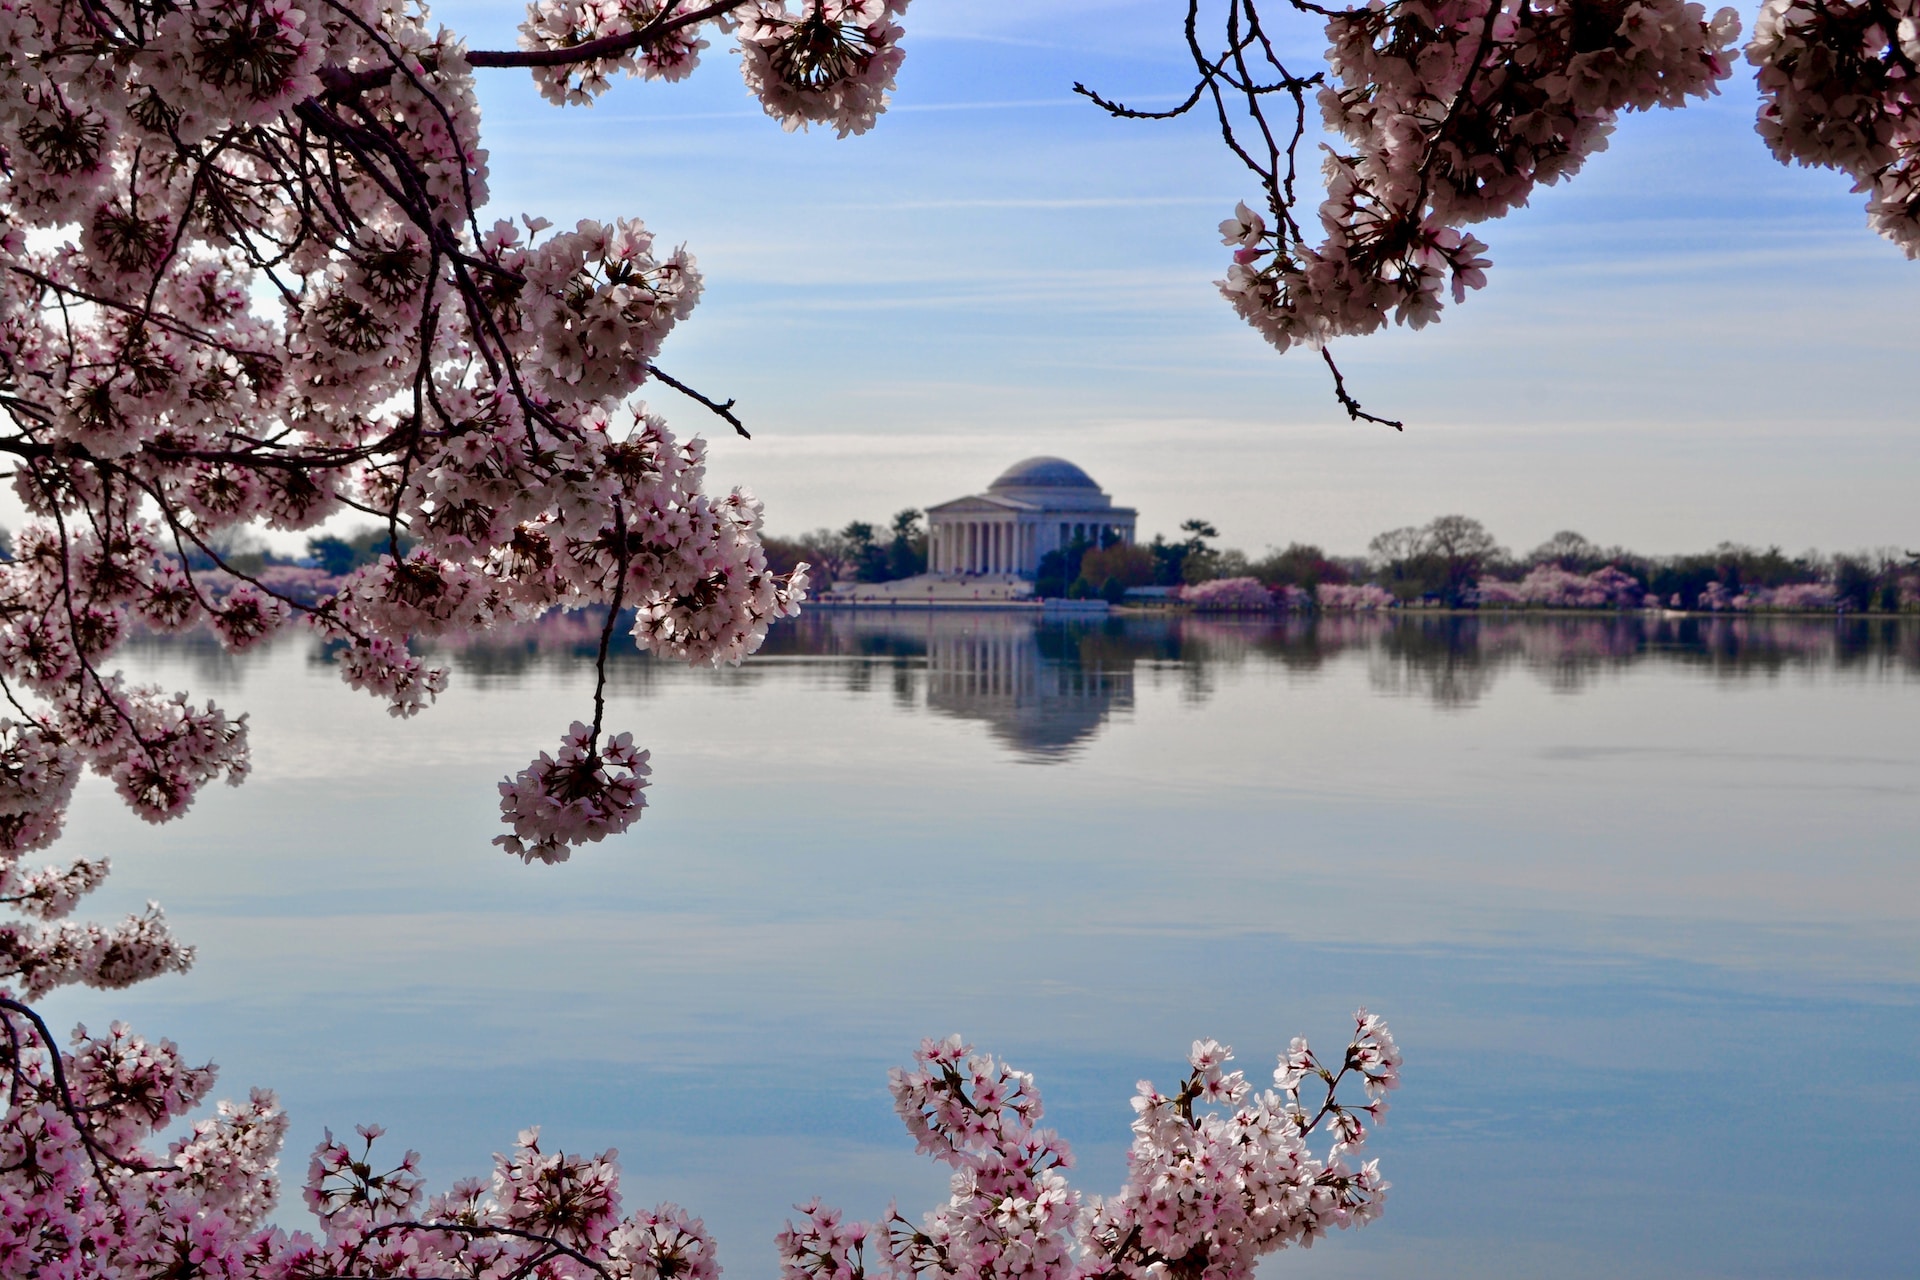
(1641, 901)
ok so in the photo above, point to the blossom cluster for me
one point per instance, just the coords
(1250, 595)
(82, 1194)
(825, 62)
(1549, 586)
(44, 949)
(556, 802)
(1793, 597)
(1447, 113)
(567, 24)
(1218, 1174)
(1840, 88)
(243, 283)
(1229, 595)
(1340, 597)
(829, 62)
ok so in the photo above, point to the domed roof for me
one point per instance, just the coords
(1044, 473)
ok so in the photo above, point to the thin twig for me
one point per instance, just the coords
(1347, 402)
(723, 410)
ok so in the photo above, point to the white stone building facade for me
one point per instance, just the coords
(1036, 506)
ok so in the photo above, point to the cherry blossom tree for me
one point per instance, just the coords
(1336, 597)
(247, 282)
(1239, 595)
(1550, 586)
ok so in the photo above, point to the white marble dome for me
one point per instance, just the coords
(1043, 473)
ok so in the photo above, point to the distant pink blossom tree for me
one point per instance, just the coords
(1792, 597)
(1229, 595)
(1549, 586)
(1340, 597)
(1291, 598)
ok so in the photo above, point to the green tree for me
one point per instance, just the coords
(907, 553)
(868, 557)
(1170, 558)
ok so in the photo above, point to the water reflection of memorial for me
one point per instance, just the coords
(1040, 688)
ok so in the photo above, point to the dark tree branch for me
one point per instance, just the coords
(1240, 90)
(1347, 402)
(723, 410)
(664, 24)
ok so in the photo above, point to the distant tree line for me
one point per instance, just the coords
(1451, 561)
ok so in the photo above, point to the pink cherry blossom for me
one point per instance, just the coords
(826, 62)
(1217, 1176)
(1550, 586)
(1229, 595)
(1339, 597)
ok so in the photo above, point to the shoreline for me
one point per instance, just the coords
(1101, 608)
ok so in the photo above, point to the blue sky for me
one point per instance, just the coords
(1687, 342)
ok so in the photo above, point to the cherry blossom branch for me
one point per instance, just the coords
(1231, 69)
(622, 558)
(63, 1096)
(724, 411)
(1347, 402)
(608, 46)
(556, 1246)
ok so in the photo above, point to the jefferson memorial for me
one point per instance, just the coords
(1036, 506)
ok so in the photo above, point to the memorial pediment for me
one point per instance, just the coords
(979, 504)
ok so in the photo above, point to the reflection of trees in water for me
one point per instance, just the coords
(1045, 685)
(565, 641)
(1450, 659)
(1734, 647)
(1042, 687)
(1454, 659)
(1204, 646)
(1569, 653)
(208, 664)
